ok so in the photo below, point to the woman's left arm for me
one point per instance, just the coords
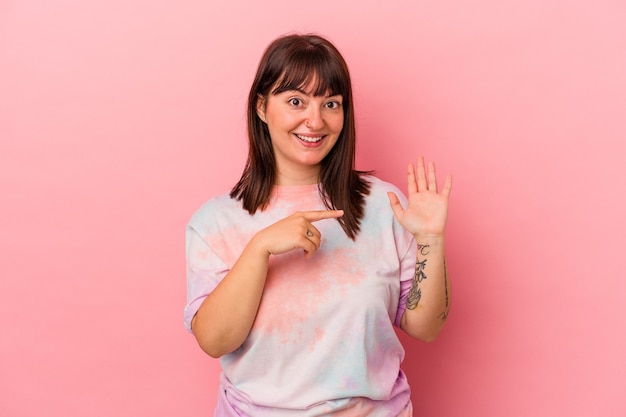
(428, 302)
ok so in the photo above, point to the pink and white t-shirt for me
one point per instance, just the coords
(323, 341)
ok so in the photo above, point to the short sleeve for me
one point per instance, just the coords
(407, 249)
(407, 271)
(205, 270)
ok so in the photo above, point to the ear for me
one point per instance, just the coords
(260, 107)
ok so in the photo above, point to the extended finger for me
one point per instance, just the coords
(432, 177)
(316, 215)
(421, 174)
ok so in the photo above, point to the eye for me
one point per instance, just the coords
(294, 101)
(333, 104)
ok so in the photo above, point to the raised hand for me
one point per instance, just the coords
(295, 232)
(427, 210)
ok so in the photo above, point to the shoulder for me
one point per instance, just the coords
(217, 210)
(377, 206)
(379, 189)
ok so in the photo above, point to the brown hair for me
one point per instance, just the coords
(292, 62)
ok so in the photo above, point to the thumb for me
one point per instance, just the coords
(396, 206)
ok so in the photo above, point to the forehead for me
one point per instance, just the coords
(309, 83)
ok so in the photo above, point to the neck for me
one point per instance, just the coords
(298, 177)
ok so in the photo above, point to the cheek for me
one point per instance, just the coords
(283, 122)
(336, 124)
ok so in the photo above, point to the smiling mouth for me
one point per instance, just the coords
(309, 139)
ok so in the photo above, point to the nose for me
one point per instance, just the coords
(314, 120)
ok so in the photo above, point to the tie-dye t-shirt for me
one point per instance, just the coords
(323, 341)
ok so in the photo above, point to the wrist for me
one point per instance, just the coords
(257, 246)
(429, 239)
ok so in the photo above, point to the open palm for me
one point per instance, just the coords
(427, 210)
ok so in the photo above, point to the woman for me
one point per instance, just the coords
(297, 277)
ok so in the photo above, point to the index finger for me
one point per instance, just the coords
(316, 215)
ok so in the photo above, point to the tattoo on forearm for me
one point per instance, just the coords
(423, 249)
(445, 280)
(415, 293)
(444, 315)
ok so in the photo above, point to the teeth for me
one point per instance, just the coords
(309, 138)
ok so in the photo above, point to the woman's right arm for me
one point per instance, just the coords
(224, 319)
(226, 315)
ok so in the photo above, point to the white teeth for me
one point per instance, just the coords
(309, 139)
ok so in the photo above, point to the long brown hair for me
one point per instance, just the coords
(292, 62)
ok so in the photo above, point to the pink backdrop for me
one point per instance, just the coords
(119, 118)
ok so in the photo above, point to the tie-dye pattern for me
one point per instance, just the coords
(323, 341)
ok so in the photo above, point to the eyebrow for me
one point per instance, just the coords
(301, 91)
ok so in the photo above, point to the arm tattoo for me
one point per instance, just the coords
(415, 293)
(444, 315)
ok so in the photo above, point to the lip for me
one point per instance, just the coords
(310, 141)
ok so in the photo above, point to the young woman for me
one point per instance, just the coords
(296, 278)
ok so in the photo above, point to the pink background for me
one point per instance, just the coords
(119, 118)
